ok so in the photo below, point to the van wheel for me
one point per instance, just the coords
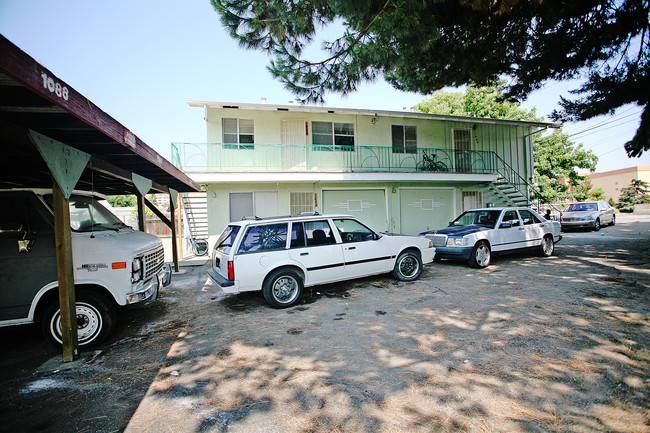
(408, 266)
(282, 288)
(95, 320)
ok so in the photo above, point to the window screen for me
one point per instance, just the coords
(300, 202)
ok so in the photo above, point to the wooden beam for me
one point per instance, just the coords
(158, 213)
(25, 70)
(102, 166)
(179, 229)
(63, 241)
(174, 235)
(140, 200)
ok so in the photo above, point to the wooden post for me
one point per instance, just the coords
(179, 229)
(174, 240)
(63, 241)
(141, 213)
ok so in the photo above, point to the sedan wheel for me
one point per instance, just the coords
(481, 255)
(597, 225)
(547, 247)
(408, 266)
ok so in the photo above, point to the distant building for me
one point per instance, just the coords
(612, 182)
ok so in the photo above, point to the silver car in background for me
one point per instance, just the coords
(588, 214)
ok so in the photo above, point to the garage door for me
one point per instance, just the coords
(425, 209)
(369, 205)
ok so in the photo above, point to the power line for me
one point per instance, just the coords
(605, 123)
(580, 124)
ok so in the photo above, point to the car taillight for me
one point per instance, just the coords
(231, 270)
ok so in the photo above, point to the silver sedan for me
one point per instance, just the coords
(588, 214)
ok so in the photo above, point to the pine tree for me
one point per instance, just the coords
(424, 46)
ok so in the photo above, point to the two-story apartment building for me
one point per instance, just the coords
(401, 172)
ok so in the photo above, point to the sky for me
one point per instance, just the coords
(141, 61)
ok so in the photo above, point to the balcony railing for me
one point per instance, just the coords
(202, 157)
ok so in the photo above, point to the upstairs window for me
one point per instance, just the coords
(238, 133)
(404, 139)
(332, 136)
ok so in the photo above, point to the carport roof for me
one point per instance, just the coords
(33, 98)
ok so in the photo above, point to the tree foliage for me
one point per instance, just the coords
(636, 193)
(123, 200)
(424, 46)
(556, 158)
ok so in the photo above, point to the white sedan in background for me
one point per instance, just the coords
(478, 233)
(588, 214)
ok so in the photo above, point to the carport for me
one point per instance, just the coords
(54, 137)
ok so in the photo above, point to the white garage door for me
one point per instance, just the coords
(425, 209)
(369, 205)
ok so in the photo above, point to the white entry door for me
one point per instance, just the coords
(294, 151)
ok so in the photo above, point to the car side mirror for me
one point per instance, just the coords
(505, 225)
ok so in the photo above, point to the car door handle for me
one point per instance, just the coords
(352, 248)
(304, 254)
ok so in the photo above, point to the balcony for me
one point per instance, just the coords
(213, 157)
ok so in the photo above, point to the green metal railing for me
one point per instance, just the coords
(201, 157)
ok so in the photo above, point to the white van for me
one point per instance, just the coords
(114, 265)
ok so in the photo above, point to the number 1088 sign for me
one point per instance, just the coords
(54, 86)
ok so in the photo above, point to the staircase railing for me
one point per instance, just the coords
(528, 190)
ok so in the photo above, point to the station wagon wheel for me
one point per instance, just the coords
(408, 266)
(282, 288)
(481, 255)
(95, 320)
(547, 246)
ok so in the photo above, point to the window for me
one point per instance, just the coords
(268, 237)
(404, 139)
(472, 200)
(332, 136)
(238, 133)
(511, 217)
(318, 233)
(353, 231)
(297, 235)
(249, 204)
(528, 217)
(301, 202)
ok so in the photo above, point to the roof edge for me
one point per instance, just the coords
(363, 112)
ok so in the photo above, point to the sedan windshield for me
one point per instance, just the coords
(485, 218)
(581, 207)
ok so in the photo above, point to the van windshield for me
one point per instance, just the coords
(87, 214)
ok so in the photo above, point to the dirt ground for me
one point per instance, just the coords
(527, 345)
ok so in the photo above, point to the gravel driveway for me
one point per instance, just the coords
(528, 344)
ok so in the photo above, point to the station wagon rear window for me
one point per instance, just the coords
(268, 237)
(227, 238)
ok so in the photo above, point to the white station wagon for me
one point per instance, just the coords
(477, 233)
(282, 255)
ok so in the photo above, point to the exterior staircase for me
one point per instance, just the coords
(508, 192)
(510, 188)
(195, 214)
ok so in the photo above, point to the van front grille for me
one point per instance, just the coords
(153, 261)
